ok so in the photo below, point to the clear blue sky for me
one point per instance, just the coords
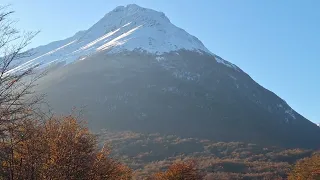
(276, 42)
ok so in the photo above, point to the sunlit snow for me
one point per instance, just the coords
(226, 63)
(123, 29)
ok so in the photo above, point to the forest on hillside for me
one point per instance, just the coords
(151, 153)
(64, 148)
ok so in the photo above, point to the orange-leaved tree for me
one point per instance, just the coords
(307, 168)
(61, 148)
(180, 171)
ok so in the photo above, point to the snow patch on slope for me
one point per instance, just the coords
(226, 63)
(290, 113)
(159, 58)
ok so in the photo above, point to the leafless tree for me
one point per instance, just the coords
(18, 101)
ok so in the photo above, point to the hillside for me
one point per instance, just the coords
(135, 70)
(150, 153)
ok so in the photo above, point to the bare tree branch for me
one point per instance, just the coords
(18, 102)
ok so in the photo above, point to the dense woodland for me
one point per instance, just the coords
(39, 145)
(151, 153)
(63, 148)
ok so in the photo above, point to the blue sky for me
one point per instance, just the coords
(276, 42)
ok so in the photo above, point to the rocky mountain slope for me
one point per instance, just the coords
(134, 70)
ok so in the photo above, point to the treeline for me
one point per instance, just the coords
(149, 153)
(64, 148)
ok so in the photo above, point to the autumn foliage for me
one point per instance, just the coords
(307, 169)
(180, 171)
(60, 148)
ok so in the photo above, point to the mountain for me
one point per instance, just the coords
(125, 28)
(135, 70)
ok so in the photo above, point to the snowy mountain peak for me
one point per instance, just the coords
(145, 29)
(137, 14)
(132, 9)
(126, 28)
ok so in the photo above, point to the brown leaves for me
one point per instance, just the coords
(180, 171)
(107, 168)
(307, 169)
(61, 148)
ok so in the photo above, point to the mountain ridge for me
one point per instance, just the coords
(124, 28)
(158, 73)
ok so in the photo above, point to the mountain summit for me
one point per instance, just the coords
(134, 70)
(133, 27)
(126, 28)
